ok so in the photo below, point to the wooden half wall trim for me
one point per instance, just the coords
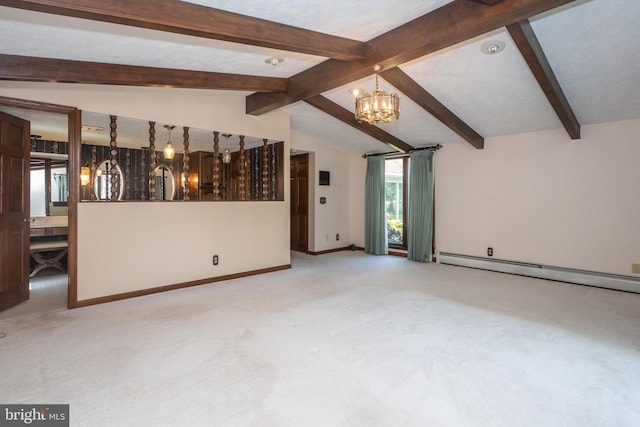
(211, 280)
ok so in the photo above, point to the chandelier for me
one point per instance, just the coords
(377, 105)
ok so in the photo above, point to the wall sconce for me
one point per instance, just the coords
(169, 151)
(85, 177)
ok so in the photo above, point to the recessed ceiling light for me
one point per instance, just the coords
(356, 91)
(86, 128)
(274, 61)
(492, 47)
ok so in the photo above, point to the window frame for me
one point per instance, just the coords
(405, 180)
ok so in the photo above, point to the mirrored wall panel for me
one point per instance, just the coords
(125, 159)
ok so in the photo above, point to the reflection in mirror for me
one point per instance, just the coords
(255, 172)
(48, 183)
(165, 183)
(107, 181)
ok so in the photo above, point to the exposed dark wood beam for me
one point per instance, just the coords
(446, 26)
(26, 68)
(349, 118)
(195, 20)
(489, 2)
(410, 88)
(529, 46)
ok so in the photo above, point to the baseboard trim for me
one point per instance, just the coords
(328, 251)
(559, 274)
(143, 292)
(396, 253)
(358, 248)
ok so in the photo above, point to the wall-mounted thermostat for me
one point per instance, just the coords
(324, 178)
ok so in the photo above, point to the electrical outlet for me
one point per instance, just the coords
(215, 260)
(490, 251)
(635, 268)
(326, 237)
(337, 237)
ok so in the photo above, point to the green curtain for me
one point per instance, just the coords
(375, 221)
(420, 206)
(61, 185)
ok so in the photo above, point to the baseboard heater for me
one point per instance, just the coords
(569, 275)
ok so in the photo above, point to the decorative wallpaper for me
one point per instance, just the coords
(134, 164)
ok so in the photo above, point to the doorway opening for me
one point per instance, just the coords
(300, 202)
(50, 289)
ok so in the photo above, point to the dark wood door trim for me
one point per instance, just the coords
(299, 232)
(74, 117)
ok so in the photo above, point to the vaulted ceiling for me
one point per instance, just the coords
(565, 63)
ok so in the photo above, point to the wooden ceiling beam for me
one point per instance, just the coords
(446, 26)
(529, 46)
(195, 20)
(346, 116)
(489, 2)
(410, 88)
(26, 68)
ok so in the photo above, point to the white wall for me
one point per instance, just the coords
(334, 217)
(542, 198)
(118, 242)
(358, 175)
(126, 247)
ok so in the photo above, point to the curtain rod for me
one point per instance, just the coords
(430, 147)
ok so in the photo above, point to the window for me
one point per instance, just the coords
(395, 183)
(48, 186)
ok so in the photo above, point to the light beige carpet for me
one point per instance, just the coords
(344, 339)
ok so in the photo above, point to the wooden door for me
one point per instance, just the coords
(300, 203)
(14, 210)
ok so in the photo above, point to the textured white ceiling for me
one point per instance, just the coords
(494, 94)
(594, 49)
(354, 19)
(592, 46)
(51, 36)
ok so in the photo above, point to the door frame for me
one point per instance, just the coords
(74, 139)
(309, 195)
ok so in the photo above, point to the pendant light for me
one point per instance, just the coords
(85, 177)
(169, 151)
(226, 154)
